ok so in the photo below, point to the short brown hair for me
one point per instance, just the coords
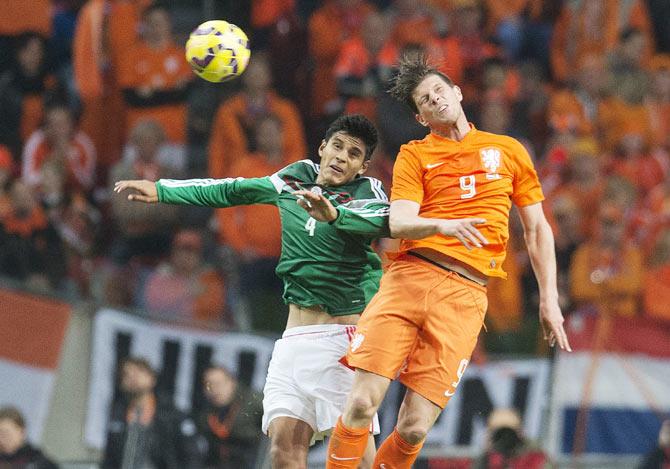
(13, 414)
(412, 69)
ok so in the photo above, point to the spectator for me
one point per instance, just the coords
(22, 88)
(6, 172)
(232, 130)
(231, 421)
(30, 248)
(145, 431)
(357, 70)
(507, 447)
(143, 230)
(659, 457)
(592, 27)
(254, 232)
(105, 29)
(63, 145)
(15, 451)
(656, 293)
(18, 17)
(184, 288)
(658, 100)
(606, 271)
(154, 76)
(330, 25)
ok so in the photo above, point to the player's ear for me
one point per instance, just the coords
(458, 92)
(421, 120)
(364, 167)
(321, 147)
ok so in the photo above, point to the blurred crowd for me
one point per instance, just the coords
(96, 91)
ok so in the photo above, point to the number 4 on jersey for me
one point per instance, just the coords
(310, 226)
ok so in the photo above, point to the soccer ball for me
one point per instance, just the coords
(218, 51)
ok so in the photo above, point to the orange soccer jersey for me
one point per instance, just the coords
(480, 176)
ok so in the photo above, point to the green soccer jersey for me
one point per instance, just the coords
(326, 264)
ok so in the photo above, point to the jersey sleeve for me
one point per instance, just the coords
(526, 188)
(407, 177)
(219, 192)
(367, 214)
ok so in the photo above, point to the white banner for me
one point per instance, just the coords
(175, 352)
(460, 429)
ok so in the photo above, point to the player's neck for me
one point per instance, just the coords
(456, 131)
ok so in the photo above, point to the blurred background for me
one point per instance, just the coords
(101, 298)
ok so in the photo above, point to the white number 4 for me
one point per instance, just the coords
(310, 226)
(468, 186)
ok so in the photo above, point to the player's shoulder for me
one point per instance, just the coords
(414, 148)
(303, 170)
(368, 187)
(510, 144)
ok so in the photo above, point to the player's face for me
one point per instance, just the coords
(342, 159)
(438, 102)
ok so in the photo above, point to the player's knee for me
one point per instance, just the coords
(412, 433)
(287, 456)
(361, 407)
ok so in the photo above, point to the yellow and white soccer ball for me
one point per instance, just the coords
(218, 51)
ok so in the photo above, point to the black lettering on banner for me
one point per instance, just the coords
(203, 358)
(476, 403)
(246, 365)
(168, 372)
(122, 342)
(520, 397)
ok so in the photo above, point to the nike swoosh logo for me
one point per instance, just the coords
(434, 165)
(449, 394)
(341, 459)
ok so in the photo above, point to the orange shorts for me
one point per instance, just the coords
(421, 328)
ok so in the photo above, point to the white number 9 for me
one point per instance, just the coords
(468, 186)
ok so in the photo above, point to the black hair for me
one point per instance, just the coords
(412, 69)
(357, 126)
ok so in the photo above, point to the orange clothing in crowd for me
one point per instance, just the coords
(105, 28)
(656, 294)
(252, 229)
(497, 170)
(616, 118)
(19, 16)
(445, 52)
(80, 164)
(573, 39)
(611, 282)
(233, 122)
(329, 27)
(505, 305)
(164, 70)
(265, 13)
(566, 113)
(497, 11)
(355, 61)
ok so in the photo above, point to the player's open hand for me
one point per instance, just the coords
(552, 320)
(316, 205)
(465, 230)
(145, 190)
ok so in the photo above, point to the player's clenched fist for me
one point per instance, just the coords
(146, 190)
(464, 230)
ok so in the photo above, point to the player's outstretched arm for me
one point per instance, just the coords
(145, 190)
(406, 223)
(540, 244)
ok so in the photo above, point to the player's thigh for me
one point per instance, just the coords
(446, 341)
(368, 390)
(387, 330)
(290, 435)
